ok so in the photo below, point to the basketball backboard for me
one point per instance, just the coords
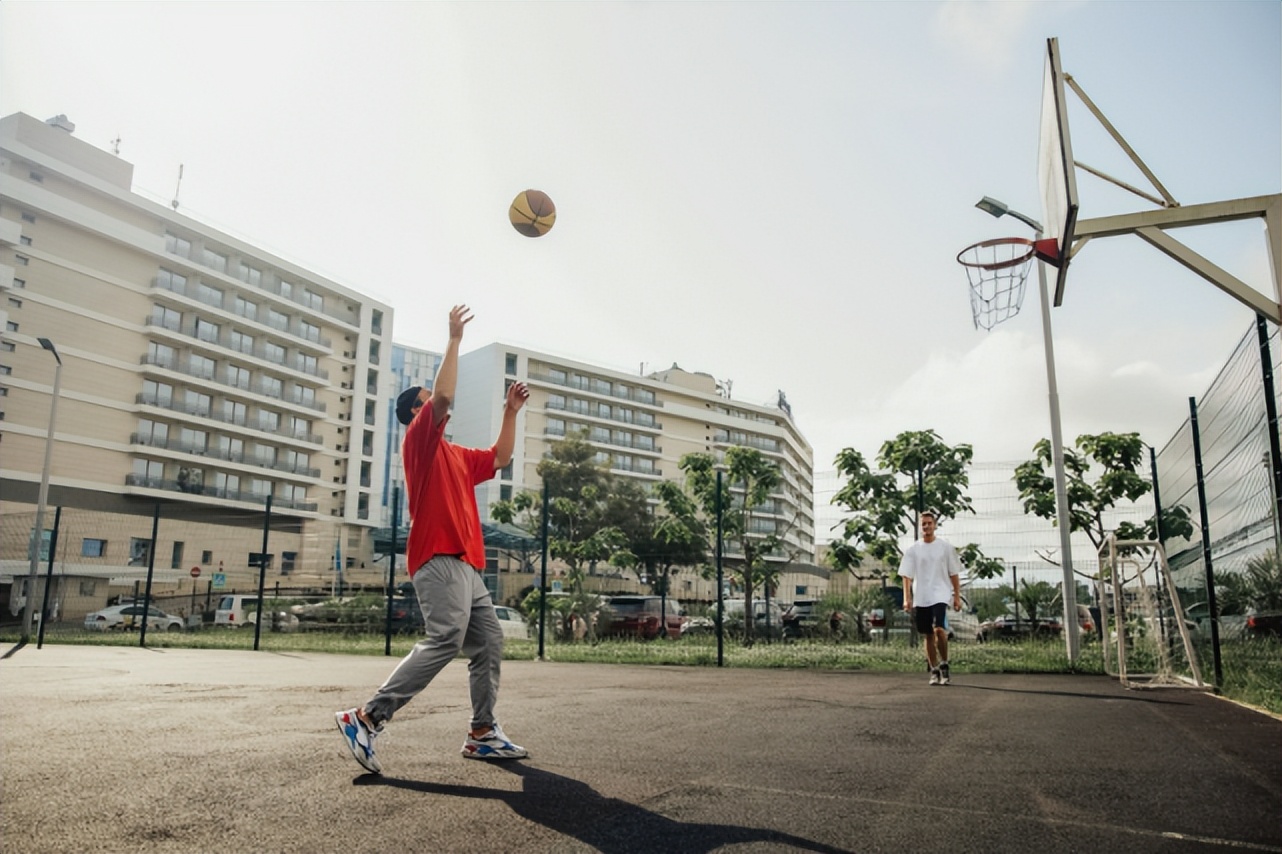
(1056, 175)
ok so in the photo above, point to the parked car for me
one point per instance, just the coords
(801, 619)
(645, 617)
(767, 622)
(129, 617)
(240, 610)
(514, 625)
(1007, 627)
(1262, 625)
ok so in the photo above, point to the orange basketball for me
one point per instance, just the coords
(532, 213)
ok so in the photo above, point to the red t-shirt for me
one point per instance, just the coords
(441, 478)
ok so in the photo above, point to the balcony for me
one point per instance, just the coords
(207, 491)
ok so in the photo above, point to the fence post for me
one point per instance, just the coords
(1271, 412)
(391, 570)
(262, 572)
(151, 568)
(44, 601)
(1206, 544)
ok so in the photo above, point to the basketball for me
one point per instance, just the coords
(532, 213)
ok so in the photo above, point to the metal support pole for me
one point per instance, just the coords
(1271, 413)
(1072, 638)
(151, 571)
(44, 601)
(543, 573)
(391, 570)
(262, 572)
(721, 602)
(1206, 544)
(37, 535)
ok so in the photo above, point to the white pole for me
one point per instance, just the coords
(37, 535)
(1071, 633)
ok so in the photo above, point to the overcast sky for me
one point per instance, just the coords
(772, 193)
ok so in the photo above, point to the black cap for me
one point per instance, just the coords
(405, 404)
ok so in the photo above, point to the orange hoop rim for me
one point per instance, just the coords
(1019, 258)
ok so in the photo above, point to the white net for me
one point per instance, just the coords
(997, 271)
(1148, 640)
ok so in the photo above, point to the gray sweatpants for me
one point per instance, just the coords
(459, 615)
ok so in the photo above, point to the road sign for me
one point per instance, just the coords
(195, 572)
(220, 580)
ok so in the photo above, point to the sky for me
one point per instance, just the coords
(771, 193)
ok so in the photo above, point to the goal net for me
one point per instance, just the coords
(1148, 641)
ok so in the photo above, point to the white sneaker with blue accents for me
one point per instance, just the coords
(493, 745)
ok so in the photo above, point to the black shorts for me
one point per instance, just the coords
(929, 616)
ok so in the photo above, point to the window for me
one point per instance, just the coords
(139, 551)
(230, 448)
(213, 259)
(201, 366)
(271, 386)
(209, 295)
(233, 412)
(509, 364)
(245, 308)
(260, 487)
(296, 461)
(268, 420)
(225, 486)
(306, 364)
(157, 394)
(505, 492)
(306, 395)
(171, 281)
(10, 326)
(299, 427)
(293, 492)
(237, 376)
(24, 240)
(311, 332)
(273, 352)
(286, 289)
(557, 376)
(250, 275)
(206, 557)
(505, 473)
(152, 432)
(176, 560)
(90, 547)
(287, 562)
(176, 245)
(197, 403)
(196, 441)
(242, 342)
(28, 217)
(161, 355)
(19, 283)
(149, 470)
(277, 320)
(206, 330)
(556, 401)
(22, 260)
(313, 300)
(166, 317)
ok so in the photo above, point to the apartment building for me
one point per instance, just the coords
(200, 375)
(641, 427)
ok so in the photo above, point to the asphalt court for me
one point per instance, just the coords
(125, 749)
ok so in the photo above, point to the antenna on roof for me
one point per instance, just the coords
(174, 203)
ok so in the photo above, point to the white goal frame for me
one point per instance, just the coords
(1123, 565)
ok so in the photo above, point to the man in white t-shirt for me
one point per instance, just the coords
(930, 570)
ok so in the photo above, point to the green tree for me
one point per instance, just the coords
(915, 471)
(1119, 458)
(748, 482)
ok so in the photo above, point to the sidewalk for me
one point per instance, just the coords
(123, 749)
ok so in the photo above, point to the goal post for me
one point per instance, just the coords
(1147, 639)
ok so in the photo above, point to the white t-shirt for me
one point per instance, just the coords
(930, 565)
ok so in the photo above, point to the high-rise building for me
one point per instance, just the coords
(641, 427)
(201, 375)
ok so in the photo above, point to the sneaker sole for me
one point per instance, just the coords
(491, 755)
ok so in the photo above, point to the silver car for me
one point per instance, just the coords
(129, 617)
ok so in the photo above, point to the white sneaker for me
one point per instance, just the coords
(359, 739)
(934, 676)
(493, 745)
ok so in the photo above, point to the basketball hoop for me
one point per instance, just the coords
(997, 270)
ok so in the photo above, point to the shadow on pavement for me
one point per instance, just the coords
(1132, 698)
(610, 825)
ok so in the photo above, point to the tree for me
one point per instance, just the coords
(915, 471)
(670, 536)
(580, 520)
(1119, 456)
(749, 480)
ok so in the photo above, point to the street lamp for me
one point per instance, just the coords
(1071, 636)
(37, 535)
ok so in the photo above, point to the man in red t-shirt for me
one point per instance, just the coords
(445, 556)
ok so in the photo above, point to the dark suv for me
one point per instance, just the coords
(641, 617)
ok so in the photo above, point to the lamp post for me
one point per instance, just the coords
(37, 534)
(1071, 634)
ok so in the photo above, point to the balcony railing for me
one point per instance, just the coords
(278, 502)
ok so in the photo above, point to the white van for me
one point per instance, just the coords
(239, 610)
